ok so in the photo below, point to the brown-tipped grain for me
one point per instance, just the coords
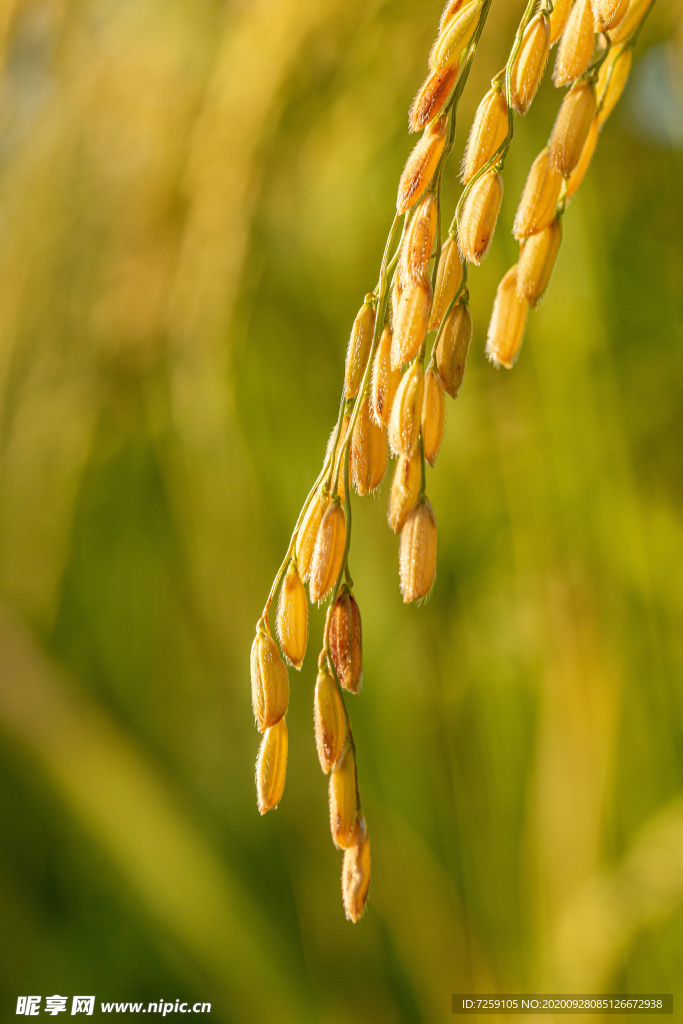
(432, 96)
(449, 12)
(328, 720)
(308, 531)
(571, 127)
(359, 346)
(271, 767)
(539, 199)
(479, 216)
(417, 552)
(508, 319)
(269, 681)
(342, 799)
(576, 45)
(453, 348)
(404, 425)
(417, 246)
(489, 130)
(637, 9)
(405, 489)
(368, 451)
(292, 617)
(529, 64)
(558, 18)
(537, 261)
(433, 415)
(356, 871)
(608, 13)
(410, 321)
(385, 380)
(612, 79)
(456, 32)
(579, 172)
(328, 554)
(346, 640)
(448, 280)
(421, 165)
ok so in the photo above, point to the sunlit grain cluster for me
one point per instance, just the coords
(394, 391)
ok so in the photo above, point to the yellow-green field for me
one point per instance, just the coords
(194, 199)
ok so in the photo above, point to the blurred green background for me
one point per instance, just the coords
(194, 199)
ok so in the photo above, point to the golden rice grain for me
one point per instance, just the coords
(271, 767)
(405, 489)
(576, 45)
(269, 681)
(637, 9)
(404, 425)
(479, 216)
(346, 640)
(418, 244)
(368, 451)
(385, 380)
(540, 196)
(529, 64)
(508, 319)
(487, 134)
(537, 261)
(359, 346)
(338, 485)
(292, 617)
(308, 531)
(421, 165)
(558, 18)
(453, 348)
(431, 97)
(328, 554)
(456, 32)
(571, 127)
(328, 720)
(342, 798)
(608, 13)
(448, 280)
(417, 552)
(356, 871)
(433, 415)
(410, 321)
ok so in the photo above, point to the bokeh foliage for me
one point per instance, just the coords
(193, 201)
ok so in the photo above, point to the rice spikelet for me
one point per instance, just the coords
(404, 425)
(385, 380)
(529, 64)
(417, 553)
(432, 97)
(453, 348)
(479, 216)
(421, 165)
(537, 261)
(292, 618)
(356, 871)
(410, 322)
(540, 197)
(572, 126)
(508, 319)
(433, 415)
(576, 45)
(487, 134)
(405, 489)
(449, 275)
(271, 767)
